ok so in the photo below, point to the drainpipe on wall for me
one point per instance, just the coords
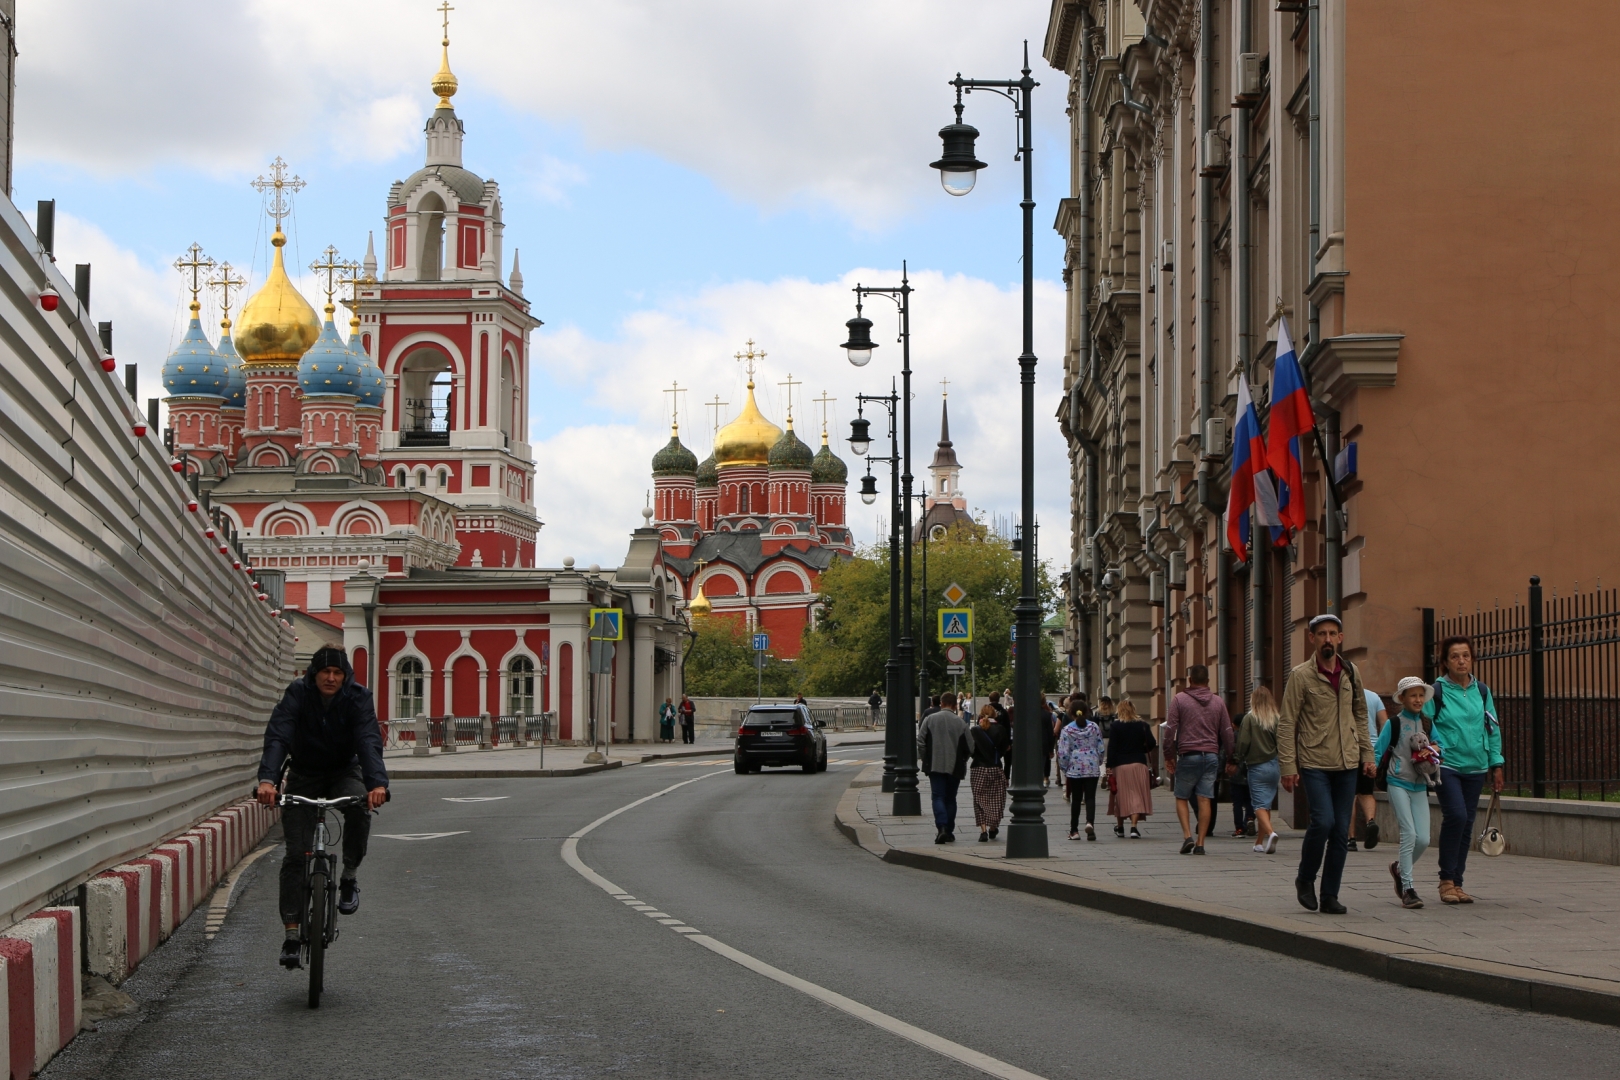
(1206, 257)
(1163, 565)
(1332, 533)
(1242, 266)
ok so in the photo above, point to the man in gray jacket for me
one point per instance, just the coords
(943, 738)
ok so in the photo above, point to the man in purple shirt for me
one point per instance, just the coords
(1197, 742)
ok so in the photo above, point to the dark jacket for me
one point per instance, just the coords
(989, 746)
(1130, 743)
(324, 738)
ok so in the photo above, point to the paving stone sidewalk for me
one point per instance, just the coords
(1545, 915)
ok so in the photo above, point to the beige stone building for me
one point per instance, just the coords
(1426, 195)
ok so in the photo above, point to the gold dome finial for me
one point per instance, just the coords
(748, 439)
(194, 265)
(699, 605)
(225, 282)
(444, 81)
(278, 324)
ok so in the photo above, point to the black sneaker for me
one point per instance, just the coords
(1410, 899)
(1119, 831)
(348, 896)
(1331, 906)
(1370, 835)
(1198, 850)
(1187, 846)
(290, 950)
(1352, 846)
(1306, 891)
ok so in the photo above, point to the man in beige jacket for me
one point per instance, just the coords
(1322, 743)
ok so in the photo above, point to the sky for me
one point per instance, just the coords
(680, 176)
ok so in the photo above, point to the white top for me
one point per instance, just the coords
(1375, 705)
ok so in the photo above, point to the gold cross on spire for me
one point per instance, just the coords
(225, 282)
(281, 184)
(790, 382)
(675, 391)
(445, 9)
(748, 358)
(824, 401)
(331, 269)
(195, 265)
(716, 405)
(945, 388)
(444, 81)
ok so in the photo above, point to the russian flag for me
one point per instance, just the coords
(1250, 481)
(1291, 417)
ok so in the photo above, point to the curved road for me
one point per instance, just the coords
(484, 954)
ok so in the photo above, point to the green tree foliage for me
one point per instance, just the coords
(721, 664)
(846, 653)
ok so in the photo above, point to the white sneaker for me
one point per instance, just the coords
(1271, 844)
(1260, 849)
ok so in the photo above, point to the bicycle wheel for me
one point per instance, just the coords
(315, 928)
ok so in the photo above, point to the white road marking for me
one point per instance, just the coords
(220, 905)
(480, 798)
(928, 1040)
(419, 835)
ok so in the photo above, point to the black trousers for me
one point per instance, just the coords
(1081, 787)
(298, 823)
(687, 727)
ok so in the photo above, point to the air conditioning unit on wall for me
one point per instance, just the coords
(1167, 255)
(1249, 80)
(1212, 156)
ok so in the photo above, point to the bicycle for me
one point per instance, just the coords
(318, 928)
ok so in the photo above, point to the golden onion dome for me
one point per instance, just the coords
(699, 605)
(277, 325)
(748, 439)
(444, 81)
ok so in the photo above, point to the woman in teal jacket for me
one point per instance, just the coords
(1464, 722)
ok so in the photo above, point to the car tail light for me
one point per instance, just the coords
(800, 730)
(741, 732)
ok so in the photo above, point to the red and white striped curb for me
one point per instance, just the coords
(128, 910)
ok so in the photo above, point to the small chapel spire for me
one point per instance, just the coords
(444, 81)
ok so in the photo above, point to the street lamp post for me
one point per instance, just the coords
(1026, 833)
(859, 441)
(907, 800)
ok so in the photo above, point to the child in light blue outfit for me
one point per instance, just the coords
(1408, 791)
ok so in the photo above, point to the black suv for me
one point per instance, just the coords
(780, 735)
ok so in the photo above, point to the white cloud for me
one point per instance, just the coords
(963, 329)
(836, 102)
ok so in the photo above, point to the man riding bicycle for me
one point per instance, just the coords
(327, 724)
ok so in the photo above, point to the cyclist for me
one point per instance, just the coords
(327, 723)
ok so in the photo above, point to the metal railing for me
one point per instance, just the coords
(835, 717)
(473, 732)
(1553, 667)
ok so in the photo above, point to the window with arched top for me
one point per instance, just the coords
(408, 697)
(399, 477)
(444, 479)
(421, 478)
(520, 687)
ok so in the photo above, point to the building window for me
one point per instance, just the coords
(520, 687)
(421, 478)
(408, 689)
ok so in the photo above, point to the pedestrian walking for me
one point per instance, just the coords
(666, 721)
(1051, 722)
(1079, 757)
(1366, 810)
(1130, 781)
(688, 713)
(1105, 714)
(1257, 749)
(1237, 785)
(1322, 743)
(1197, 743)
(1463, 720)
(945, 754)
(988, 783)
(1407, 789)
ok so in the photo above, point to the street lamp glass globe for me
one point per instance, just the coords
(860, 357)
(868, 497)
(860, 437)
(958, 183)
(868, 489)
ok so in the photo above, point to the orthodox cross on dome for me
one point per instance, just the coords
(716, 405)
(194, 265)
(225, 282)
(280, 184)
(444, 82)
(790, 382)
(945, 388)
(675, 391)
(332, 269)
(748, 360)
(824, 401)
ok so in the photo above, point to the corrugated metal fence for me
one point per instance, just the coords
(136, 666)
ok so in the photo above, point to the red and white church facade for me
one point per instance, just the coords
(383, 485)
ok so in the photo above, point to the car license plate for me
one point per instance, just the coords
(773, 734)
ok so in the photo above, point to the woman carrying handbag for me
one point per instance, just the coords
(1462, 716)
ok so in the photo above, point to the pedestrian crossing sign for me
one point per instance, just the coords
(955, 624)
(607, 624)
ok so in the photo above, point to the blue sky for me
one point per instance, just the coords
(677, 178)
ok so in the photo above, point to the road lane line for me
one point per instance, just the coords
(928, 1040)
(220, 905)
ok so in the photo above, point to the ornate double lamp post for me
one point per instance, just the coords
(900, 736)
(860, 441)
(958, 168)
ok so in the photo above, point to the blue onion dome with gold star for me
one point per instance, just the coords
(674, 459)
(235, 373)
(371, 376)
(708, 473)
(790, 451)
(828, 468)
(329, 367)
(194, 369)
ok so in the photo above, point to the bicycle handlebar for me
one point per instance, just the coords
(323, 804)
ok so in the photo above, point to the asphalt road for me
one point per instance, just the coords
(484, 954)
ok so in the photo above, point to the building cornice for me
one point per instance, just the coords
(1353, 361)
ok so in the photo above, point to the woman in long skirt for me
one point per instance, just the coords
(988, 782)
(1130, 784)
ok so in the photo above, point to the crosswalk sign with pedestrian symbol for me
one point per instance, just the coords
(955, 624)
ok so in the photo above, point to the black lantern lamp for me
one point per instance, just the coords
(860, 343)
(860, 436)
(957, 165)
(868, 488)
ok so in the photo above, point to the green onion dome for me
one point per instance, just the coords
(828, 468)
(708, 473)
(789, 452)
(674, 459)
